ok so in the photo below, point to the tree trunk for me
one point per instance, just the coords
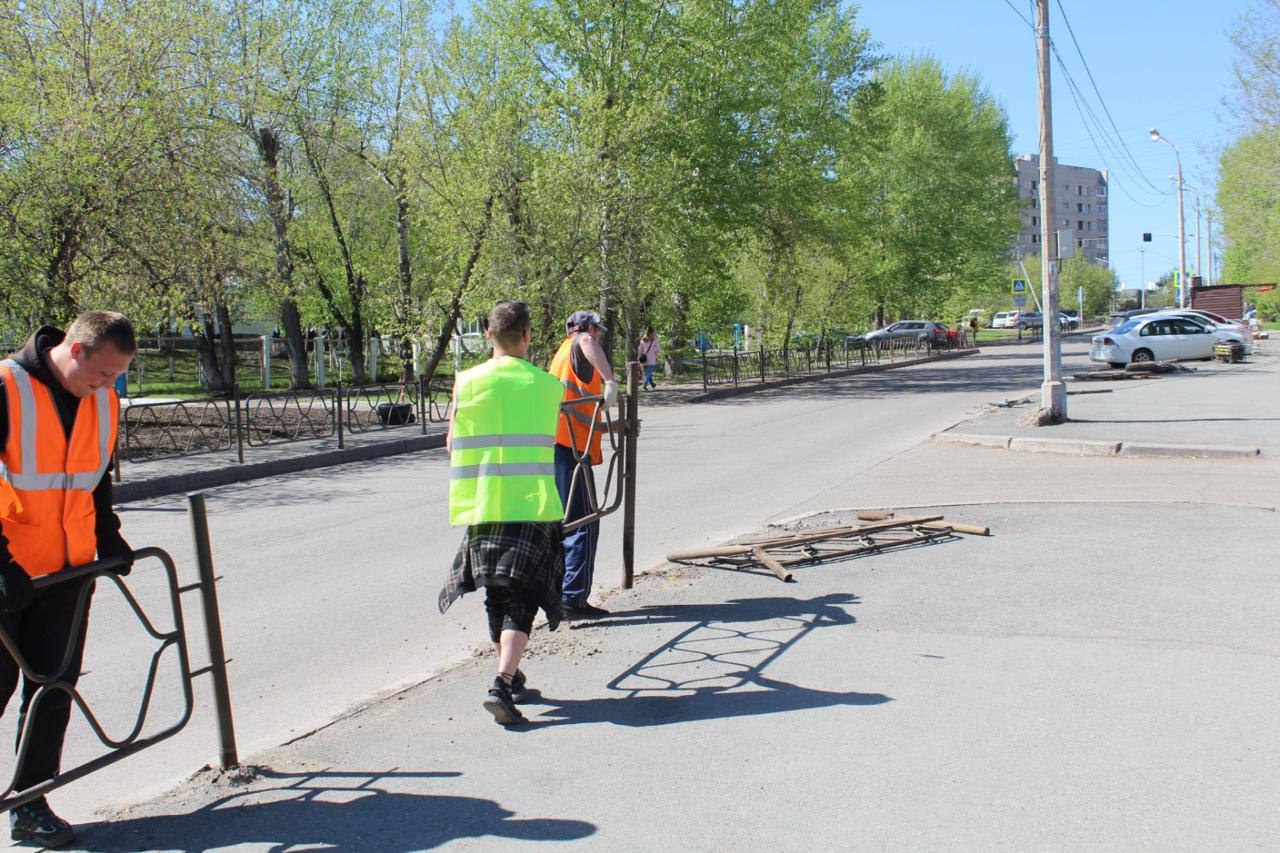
(673, 359)
(455, 303)
(227, 345)
(207, 355)
(295, 344)
(268, 142)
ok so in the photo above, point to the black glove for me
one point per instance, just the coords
(117, 548)
(15, 587)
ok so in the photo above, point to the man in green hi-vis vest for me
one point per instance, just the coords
(502, 485)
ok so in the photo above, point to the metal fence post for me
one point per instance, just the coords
(227, 756)
(337, 413)
(235, 393)
(704, 368)
(761, 361)
(735, 365)
(629, 480)
(423, 402)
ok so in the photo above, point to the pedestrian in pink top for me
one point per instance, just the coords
(647, 355)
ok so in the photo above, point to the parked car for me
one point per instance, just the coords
(1002, 320)
(910, 329)
(1156, 338)
(1067, 322)
(1118, 317)
(1205, 318)
(1029, 320)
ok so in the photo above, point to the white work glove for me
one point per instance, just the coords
(610, 392)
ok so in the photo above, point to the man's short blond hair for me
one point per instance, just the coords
(95, 328)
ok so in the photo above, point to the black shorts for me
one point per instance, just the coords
(509, 610)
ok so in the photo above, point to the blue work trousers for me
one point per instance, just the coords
(580, 544)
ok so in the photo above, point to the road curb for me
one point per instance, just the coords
(738, 390)
(1095, 447)
(1207, 451)
(225, 476)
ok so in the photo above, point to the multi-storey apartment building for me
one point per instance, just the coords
(1081, 202)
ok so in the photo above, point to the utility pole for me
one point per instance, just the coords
(1142, 280)
(1198, 233)
(1209, 244)
(1053, 392)
(1182, 230)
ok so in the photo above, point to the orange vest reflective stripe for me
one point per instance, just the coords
(577, 418)
(46, 481)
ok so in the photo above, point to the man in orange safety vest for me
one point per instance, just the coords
(58, 415)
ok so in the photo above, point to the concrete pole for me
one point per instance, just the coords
(320, 358)
(266, 362)
(1182, 239)
(1199, 231)
(1053, 392)
(1209, 245)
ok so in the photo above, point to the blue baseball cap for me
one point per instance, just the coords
(580, 321)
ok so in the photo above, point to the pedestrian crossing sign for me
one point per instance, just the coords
(1019, 285)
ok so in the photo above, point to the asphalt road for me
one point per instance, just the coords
(329, 578)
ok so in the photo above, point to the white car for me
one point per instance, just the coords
(1002, 320)
(1235, 329)
(1156, 337)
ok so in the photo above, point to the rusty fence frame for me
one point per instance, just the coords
(119, 748)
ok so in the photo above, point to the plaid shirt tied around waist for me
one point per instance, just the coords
(517, 555)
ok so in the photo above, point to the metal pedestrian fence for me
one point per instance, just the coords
(121, 746)
(735, 367)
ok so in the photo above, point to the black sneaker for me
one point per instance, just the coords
(587, 611)
(35, 821)
(518, 682)
(501, 705)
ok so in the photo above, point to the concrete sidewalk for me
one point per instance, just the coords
(1220, 410)
(1099, 673)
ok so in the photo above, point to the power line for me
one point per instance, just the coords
(1085, 112)
(1102, 101)
(1024, 18)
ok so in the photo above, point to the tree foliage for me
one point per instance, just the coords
(360, 165)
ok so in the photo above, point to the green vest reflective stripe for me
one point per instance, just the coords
(502, 451)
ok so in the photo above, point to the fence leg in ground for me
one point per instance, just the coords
(227, 754)
(629, 478)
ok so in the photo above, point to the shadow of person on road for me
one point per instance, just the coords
(714, 669)
(323, 810)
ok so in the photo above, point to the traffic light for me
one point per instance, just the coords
(1146, 236)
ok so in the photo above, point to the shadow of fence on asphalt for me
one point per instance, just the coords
(714, 669)
(338, 811)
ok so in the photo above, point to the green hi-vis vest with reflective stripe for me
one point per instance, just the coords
(502, 454)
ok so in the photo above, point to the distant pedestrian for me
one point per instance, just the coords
(973, 331)
(502, 486)
(647, 355)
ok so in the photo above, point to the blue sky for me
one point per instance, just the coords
(1157, 64)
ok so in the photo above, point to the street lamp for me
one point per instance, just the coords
(1182, 235)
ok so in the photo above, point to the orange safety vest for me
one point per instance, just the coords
(579, 416)
(46, 481)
